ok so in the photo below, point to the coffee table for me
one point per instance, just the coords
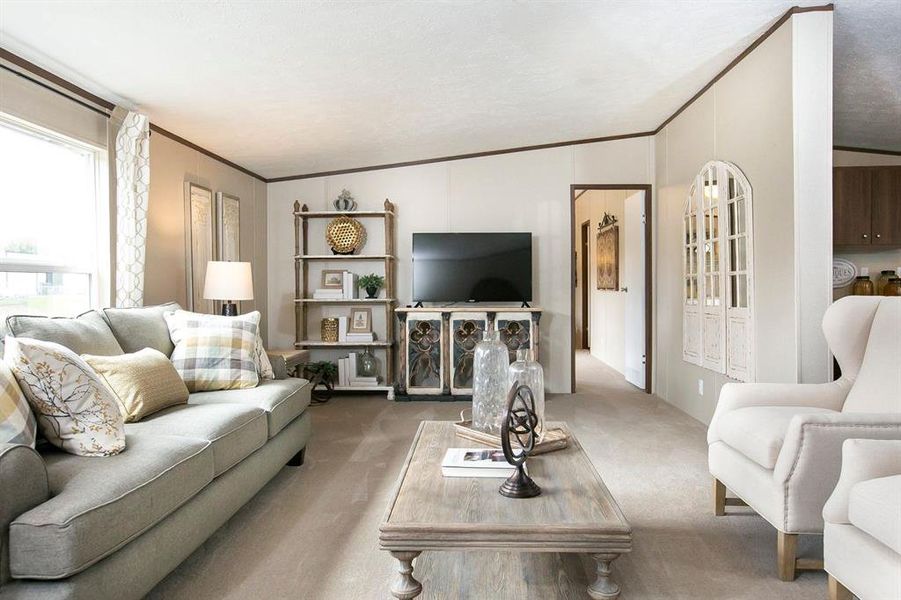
(574, 513)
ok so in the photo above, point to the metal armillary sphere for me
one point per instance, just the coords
(519, 426)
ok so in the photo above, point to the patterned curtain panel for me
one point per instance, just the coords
(132, 193)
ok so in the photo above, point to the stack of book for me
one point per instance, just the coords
(328, 294)
(347, 373)
(348, 290)
(475, 462)
(348, 336)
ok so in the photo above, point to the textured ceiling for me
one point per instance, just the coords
(286, 87)
(866, 99)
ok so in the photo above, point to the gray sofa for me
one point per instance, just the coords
(93, 528)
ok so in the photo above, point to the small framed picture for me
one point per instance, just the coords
(332, 279)
(360, 320)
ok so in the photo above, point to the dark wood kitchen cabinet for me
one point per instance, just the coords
(866, 206)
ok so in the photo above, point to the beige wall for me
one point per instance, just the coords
(171, 165)
(746, 118)
(874, 260)
(524, 191)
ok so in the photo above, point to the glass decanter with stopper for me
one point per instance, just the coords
(490, 363)
(367, 364)
(526, 371)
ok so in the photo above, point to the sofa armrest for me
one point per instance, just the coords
(810, 460)
(279, 365)
(862, 460)
(742, 395)
(23, 486)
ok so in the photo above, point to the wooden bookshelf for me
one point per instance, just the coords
(302, 292)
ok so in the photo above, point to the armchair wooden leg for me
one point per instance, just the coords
(719, 498)
(837, 591)
(787, 547)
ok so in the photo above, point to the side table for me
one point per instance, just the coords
(293, 358)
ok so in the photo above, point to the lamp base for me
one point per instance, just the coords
(229, 309)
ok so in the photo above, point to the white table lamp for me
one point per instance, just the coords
(228, 281)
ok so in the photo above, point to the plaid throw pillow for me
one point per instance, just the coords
(214, 352)
(17, 423)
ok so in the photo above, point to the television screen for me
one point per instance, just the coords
(472, 267)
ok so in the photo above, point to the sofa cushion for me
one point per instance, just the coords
(75, 411)
(100, 504)
(234, 431)
(282, 399)
(215, 353)
(144, 327)
(17, 422)
(758, 431)
(874, 506)
(87, 333)
(143, 382)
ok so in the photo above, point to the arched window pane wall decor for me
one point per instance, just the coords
(717, 267)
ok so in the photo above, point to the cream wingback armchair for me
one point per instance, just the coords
(777, 447)
(862, 536)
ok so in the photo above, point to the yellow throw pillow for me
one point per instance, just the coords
(143, 382)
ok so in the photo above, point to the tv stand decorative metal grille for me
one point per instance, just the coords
(436, 344)
(303, 300)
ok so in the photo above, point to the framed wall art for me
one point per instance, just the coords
(200, 244)
(228, 226)
(360, 320)
(607, 257)
(332, 279)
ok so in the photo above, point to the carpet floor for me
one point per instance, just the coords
(312, 532)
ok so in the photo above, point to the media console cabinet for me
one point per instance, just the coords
(436, 345)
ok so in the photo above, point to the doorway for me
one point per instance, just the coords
(583, 273)
(611, 292)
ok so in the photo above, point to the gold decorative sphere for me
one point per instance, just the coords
(345, 235)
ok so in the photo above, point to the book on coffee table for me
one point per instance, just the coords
(475, 462)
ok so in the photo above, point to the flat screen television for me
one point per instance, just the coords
(472, 267)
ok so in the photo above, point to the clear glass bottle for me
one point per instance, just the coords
(367, 364)
(489, 383)
(526, 371)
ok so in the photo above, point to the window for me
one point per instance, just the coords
(717, 294)
(54, 232)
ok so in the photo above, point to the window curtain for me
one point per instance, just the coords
(132, 194)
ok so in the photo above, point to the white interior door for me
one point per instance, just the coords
(634, 285)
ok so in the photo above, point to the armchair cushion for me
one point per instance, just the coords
(861, 460)
(745, 395)
(759, 431)
(874, 507)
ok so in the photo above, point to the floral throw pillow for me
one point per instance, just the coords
(74, 410)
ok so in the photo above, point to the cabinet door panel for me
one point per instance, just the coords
(851, 206)
(886, 194)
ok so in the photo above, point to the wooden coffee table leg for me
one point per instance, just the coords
(604, 588)
(405, 586)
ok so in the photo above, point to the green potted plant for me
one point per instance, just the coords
(372, 283)
(322, 373)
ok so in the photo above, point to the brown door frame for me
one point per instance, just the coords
(648, 279)
(585, 230)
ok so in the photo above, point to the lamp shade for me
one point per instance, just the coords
(228, 281)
